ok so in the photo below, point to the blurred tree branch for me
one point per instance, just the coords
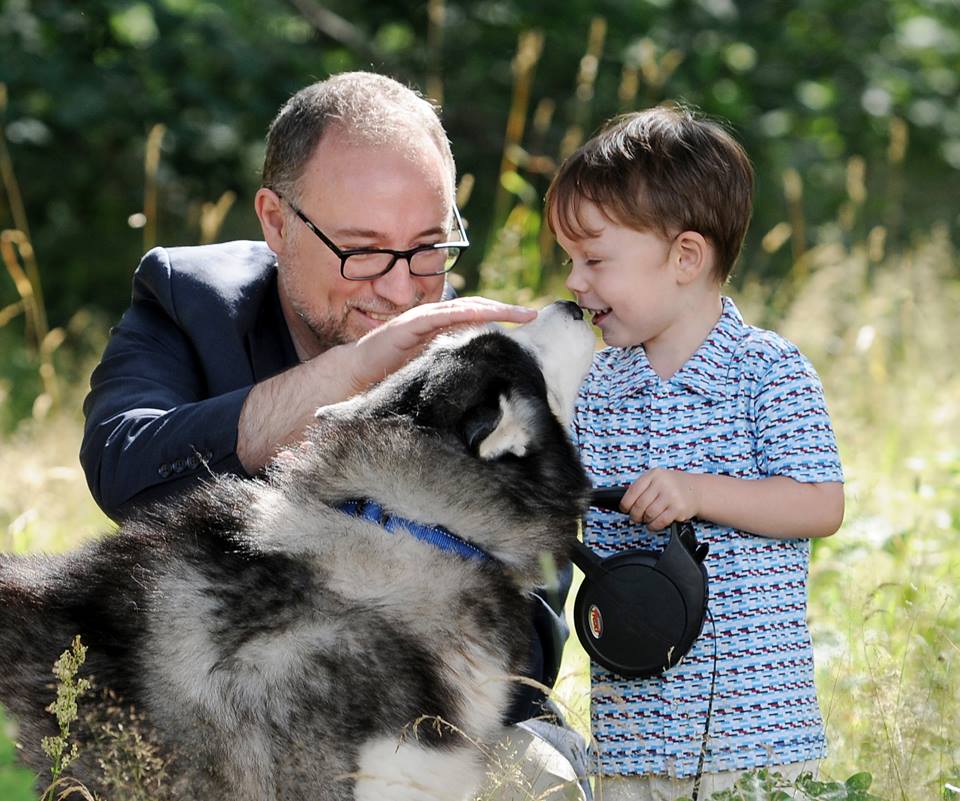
(337, 28)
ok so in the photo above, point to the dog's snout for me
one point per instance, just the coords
(571, 308)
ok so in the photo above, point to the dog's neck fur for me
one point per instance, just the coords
(375, 461)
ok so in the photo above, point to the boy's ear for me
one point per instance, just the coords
(693, 254)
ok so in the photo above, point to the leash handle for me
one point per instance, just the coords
(608, 498)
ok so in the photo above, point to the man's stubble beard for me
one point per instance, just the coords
(332, 329)
(329, 330)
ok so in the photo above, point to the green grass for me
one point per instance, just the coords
(884, 608)
(884, 611)
(44, 501)
(16, 783)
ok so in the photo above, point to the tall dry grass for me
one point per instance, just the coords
(884, 597)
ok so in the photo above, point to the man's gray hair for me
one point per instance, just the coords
(369, 108)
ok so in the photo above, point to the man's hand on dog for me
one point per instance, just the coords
(390, 346)
(277, 411)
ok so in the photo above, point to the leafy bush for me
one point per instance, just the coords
(808, 88)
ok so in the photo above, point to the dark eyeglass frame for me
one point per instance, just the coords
(406, 255)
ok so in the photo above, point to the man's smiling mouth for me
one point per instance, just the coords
(379, 316)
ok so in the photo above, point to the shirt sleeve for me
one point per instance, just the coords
(794, 433)
(149, 429)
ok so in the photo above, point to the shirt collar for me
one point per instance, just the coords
(626, 371)
(706, 371)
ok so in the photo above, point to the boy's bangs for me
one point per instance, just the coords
(618, 195)
(565, 215)
(565, 198)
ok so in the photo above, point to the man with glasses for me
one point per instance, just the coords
(227, 350)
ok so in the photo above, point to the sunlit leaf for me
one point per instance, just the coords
(135, 25)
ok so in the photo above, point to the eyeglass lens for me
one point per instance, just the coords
(359, 266)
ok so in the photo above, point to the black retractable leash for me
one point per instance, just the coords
(639, 612)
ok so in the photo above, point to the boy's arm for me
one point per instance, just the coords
(799, 492)
(777, 506)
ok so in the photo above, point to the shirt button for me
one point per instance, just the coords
(165, 471)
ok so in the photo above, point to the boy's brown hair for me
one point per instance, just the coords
(663, 170)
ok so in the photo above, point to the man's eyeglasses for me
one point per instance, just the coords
(365, 264)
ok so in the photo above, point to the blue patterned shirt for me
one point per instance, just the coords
(746, 404)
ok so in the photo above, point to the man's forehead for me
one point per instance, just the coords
(353, 161)
(406, 140)
(366, 232)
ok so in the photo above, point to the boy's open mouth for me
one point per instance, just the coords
(596, 315)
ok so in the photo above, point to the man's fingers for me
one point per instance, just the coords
(389, 346)
(419, 325)
(434, 317)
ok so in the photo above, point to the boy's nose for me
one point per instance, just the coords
(575, 282)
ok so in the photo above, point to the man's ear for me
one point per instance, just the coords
(493, 431)
(693, 256)
(269, 208)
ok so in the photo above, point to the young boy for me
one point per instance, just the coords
(705, 418)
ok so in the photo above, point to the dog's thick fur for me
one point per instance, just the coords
(278, 647)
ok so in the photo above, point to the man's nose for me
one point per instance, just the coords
(397, 286)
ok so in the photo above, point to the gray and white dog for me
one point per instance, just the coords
(279, 639)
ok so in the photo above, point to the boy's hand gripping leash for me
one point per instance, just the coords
(638, 612)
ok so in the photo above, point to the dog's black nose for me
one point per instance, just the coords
(574, 310)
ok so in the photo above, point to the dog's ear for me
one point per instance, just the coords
(494, 431)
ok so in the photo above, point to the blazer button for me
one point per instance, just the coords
(165, 471)
(207, 456)
(193, 461)
(178, 466)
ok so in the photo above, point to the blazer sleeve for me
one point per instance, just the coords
(549, 633)
(150, 428)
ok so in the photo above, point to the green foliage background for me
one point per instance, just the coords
(806, 86)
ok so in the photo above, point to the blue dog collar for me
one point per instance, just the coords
(437, 536)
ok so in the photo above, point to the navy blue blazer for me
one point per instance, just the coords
(205, 325)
